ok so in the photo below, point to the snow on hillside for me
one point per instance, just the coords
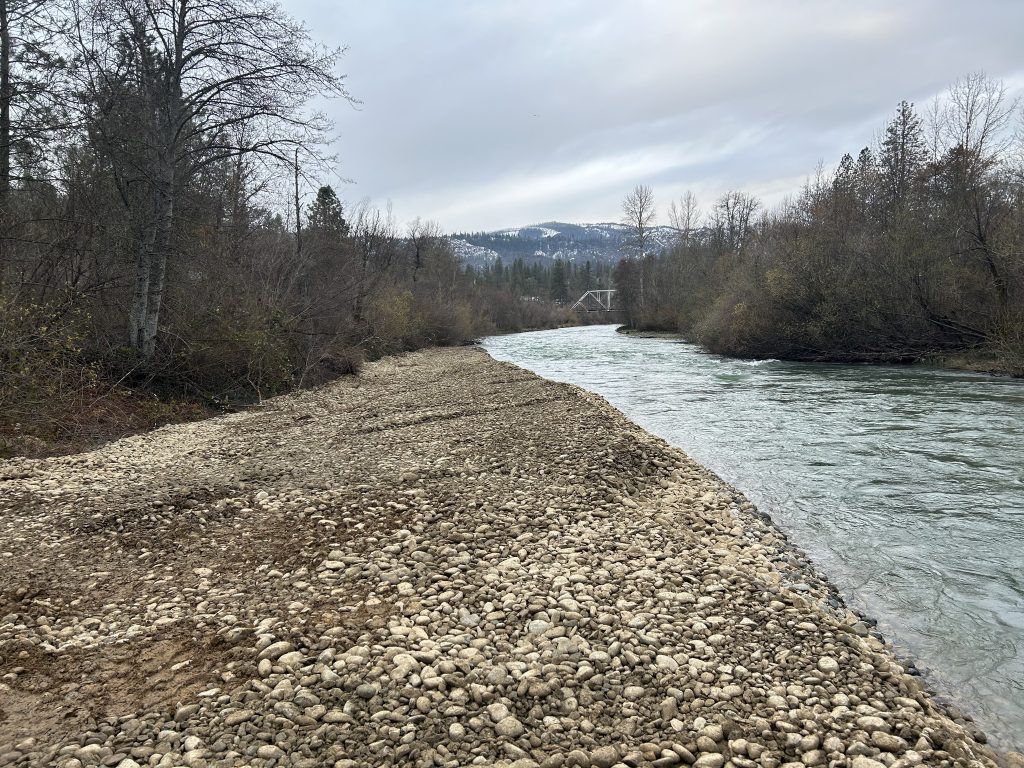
(601, 242)
(476, 255)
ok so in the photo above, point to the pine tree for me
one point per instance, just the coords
(326, 214)
(902, 155)
(558, 288)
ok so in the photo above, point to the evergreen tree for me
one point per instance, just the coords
(902, 155)
(326, 215)
(558, 282)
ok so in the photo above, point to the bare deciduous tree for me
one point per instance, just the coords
(976, 119)
(732, 219)
(639, 214)
(977, 130)
(204, 80)
(684, 216)
(375, 243)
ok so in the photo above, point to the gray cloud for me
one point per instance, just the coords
(489, 113)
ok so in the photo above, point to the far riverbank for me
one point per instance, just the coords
(972, 361)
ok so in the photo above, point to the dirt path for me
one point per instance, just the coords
(446, 562)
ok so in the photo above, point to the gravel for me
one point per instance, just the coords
(445, 562)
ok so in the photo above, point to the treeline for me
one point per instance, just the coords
(568, 242)
(910, 249)
(559, 281)
(156, 235)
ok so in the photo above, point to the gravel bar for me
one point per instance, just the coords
(447, 561)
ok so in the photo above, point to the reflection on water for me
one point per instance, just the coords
(905, 485)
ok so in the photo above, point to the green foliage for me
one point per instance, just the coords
(326, 215)
(557, 281)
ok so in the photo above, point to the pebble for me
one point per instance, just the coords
(276, 650)
(866, 762)
(509, 728)
(888, 742)
(604, 757)
(270, 752)
(710, 760)
(828, 665)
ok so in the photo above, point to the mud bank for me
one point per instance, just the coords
(446, 562)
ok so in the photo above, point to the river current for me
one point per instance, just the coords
(905, 485)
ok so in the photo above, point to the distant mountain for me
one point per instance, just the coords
(597, 243)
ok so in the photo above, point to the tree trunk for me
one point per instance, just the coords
(980, 220)
(151, 268)
(158, 265)
(298, 210)
(5, 129)
(140, 295)
(157, 279)
(5, 107)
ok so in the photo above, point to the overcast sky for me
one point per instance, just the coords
(494, 113)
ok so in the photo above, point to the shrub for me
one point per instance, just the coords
(41, 375)
(342, 361)
(52, 401)
(1008, 343)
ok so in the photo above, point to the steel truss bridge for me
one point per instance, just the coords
(595, 301)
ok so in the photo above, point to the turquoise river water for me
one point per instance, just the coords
(905, 485)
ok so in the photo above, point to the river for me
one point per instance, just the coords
(905, 485)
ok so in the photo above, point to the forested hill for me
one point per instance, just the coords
(544, 243)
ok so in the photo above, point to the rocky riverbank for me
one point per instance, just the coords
(445, 562)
